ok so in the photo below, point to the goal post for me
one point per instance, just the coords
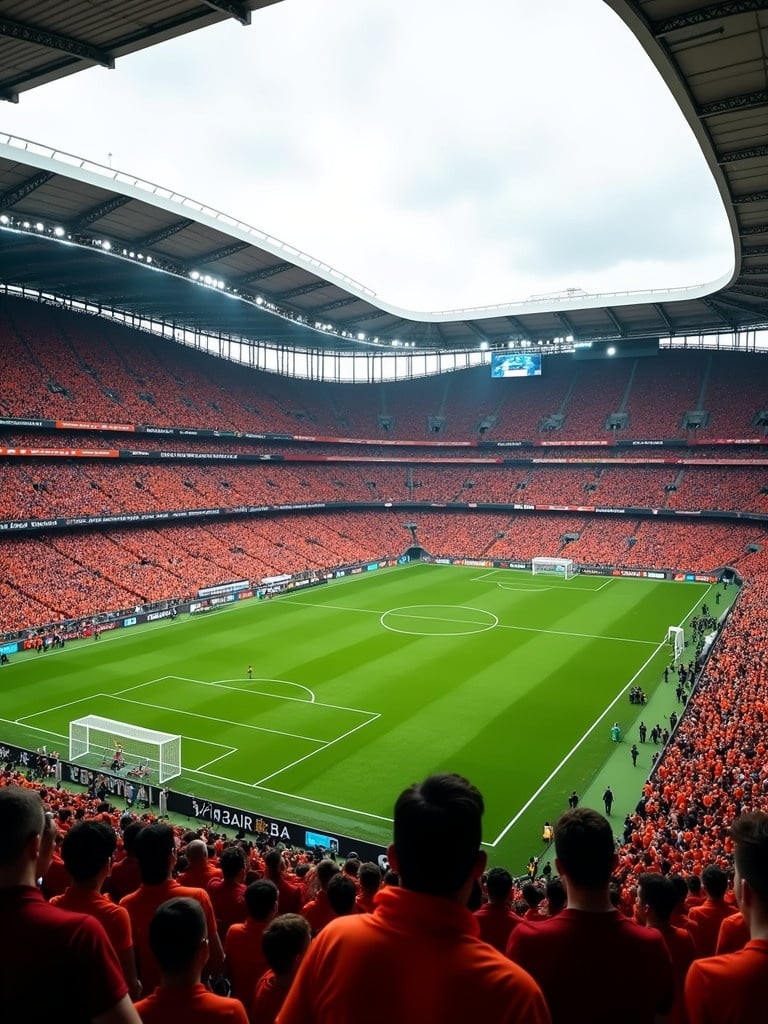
(554, 566)
(676, 641)
(141, 753)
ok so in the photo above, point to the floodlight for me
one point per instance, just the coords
(106, 245)
(259, 300)
(39, 226)
(4, 219)
(611, 351)
(59, 232)
(194, 274)
(360, 336)
(483, 345)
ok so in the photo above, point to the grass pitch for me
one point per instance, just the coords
(365, 685)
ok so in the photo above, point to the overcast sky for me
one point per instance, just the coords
(444, 154)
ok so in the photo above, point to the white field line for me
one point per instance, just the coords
(36, 728)
(59, 707)
(223, 721)
(261, 693)
(230, 750)
(591, 729)
(313, 752)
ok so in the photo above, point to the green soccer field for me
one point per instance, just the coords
(365, 685)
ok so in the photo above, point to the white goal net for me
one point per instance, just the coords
(554, 566)
(676, 640)
(129, 750)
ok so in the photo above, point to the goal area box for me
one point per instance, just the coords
(554, 567)
(144, 754)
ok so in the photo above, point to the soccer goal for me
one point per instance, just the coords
(676, 641)
(554, 566)
(139, 753)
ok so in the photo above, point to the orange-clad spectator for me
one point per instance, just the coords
(200, 872)
(656, 899)
(87, 850)
(82, 978)
(156, 853)
(318, 911)
(733, 935)
(496, 917)
(734, 986)
(291, 895)
(228, 892)
(286, 940)
(126, 876)
(419, 956)
(245, 961)
(179, 942)
(704, 921)
(370, 883)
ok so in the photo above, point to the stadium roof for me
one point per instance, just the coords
(49, 39)
(224, 276)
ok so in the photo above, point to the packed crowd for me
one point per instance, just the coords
(62, 366)
(144, 921)
(90, 573)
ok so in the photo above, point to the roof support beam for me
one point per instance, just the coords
(262, 275)
(234, 10)
(338, 304)
(98, 211)
(754, 229)
(663, 317)
(615, 321)
(730, 103)
(704, 15)
(754, 291)
(567, 324)
(752, 153)
(13, 195)
(52, 41)
(754, 250)
(476, 330)
(518, 325)
(755, 271)
(721, 314)
(304, 289)
(219, 254)
(751, 197)
(162, 233)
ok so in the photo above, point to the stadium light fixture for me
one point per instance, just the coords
(483, 346)
(58, 231)
(194, 274)
(39, 226)
(5, 219)
(360, 336)
(611, 350)
(106, 244)
(259, 300)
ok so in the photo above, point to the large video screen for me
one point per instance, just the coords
(516, 364)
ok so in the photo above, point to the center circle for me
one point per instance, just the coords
(438, 620)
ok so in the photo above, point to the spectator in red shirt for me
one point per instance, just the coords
(199, 872)
(370, 883)
(704, 921)
(228, 892)
(179, 940)
(656, 899)
(319, 911)
(87, 850)
(126, 876)
(286, 940)
(419, 956)
(590, 947)
(80, 976)
(496, 918)
(734, 986)
(288, 886)
(245, 960)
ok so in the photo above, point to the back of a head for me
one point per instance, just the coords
(715, 881)
(273, 862)
(261, 898)
(326, 869)
(532, 894)
(556, 896)
(153, 848)
(196, 852)
(584, 847)
(86, 849)
(342, 893)
(680, 886)
(498, 883)
(285, 939)
(130, 832)
(22, 816)
(437, 834)
(351, 867)
(658, 893)
(693, 882)
(176, 933)
(232, 862)
(370, 878)
(750, 836)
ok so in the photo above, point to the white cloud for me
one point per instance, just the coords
(442, 154)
